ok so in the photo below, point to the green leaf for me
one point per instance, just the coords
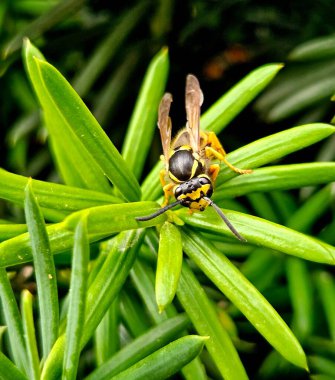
(166, 361)
(76, 312)
(102, 291)
(8, 368)
(13, 321)
(244, 296)
(44, 271)
(143, 278)
(262, 232)
(273, 147)
(142, 125)
(294, 84)
(96, 153)
(46, 21)
(51, 195)
(102, 222)
(234, 101)
(29, 334)
(106, 336)
(75, 164)
(315, 49)
(281, 177)
(7, 231)
(204, 318)
(325, 284)
(169, 261)
(301, 295)
(141, 347)
(106, 50)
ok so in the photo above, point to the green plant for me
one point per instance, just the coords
(99, 202)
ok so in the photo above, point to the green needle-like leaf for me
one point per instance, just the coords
(102, 291)
(7, 231)
(29, 334)
(87, 129)
(234, 101)
(13, 321)
(244, 296)
(278, 178)
(75, 163)
(76, 313)
(315, 49)
(273, 147)
(102, 222)
(262, 232)
(90, 152)
(141, 347)
(326, 288)
(169, 261)
(51, 195)
(9, 370)
(144, 118)
(44, 270)
(166, 361)
(204, 318)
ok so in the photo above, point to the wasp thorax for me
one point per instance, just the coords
(192, 192)
(183, 165)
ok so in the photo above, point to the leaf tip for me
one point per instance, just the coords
(161, 308)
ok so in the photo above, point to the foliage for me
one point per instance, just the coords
(207, 314)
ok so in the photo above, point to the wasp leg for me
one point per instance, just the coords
(162, 176)
(213, 171)
(214, 149)
(168, 192)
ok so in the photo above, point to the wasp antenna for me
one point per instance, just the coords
(225, 219)
(159, 212)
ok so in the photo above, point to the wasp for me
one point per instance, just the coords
(189, 174)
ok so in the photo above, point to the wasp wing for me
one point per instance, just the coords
(193, 101)
(165, 125)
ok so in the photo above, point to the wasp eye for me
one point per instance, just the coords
(178, 192)
(204, 181)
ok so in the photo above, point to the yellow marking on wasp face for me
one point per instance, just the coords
(197, 193)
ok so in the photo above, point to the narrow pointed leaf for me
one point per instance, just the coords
(75, 163)
(141, 347)
(144, 118)
(29, 334)
(84, 125)
(77, 123)
(102, 291)
(13, 321)
(204, 318)
(267, 234)
(10, 369)
(315, 49)
(234, 101)
(273, 147)
(244, 296)
(104, 53)
(166, 361)
(51, 195)
(102, 222)
(76, 312)
(282, 177)
(44, 270)
(169, 261)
